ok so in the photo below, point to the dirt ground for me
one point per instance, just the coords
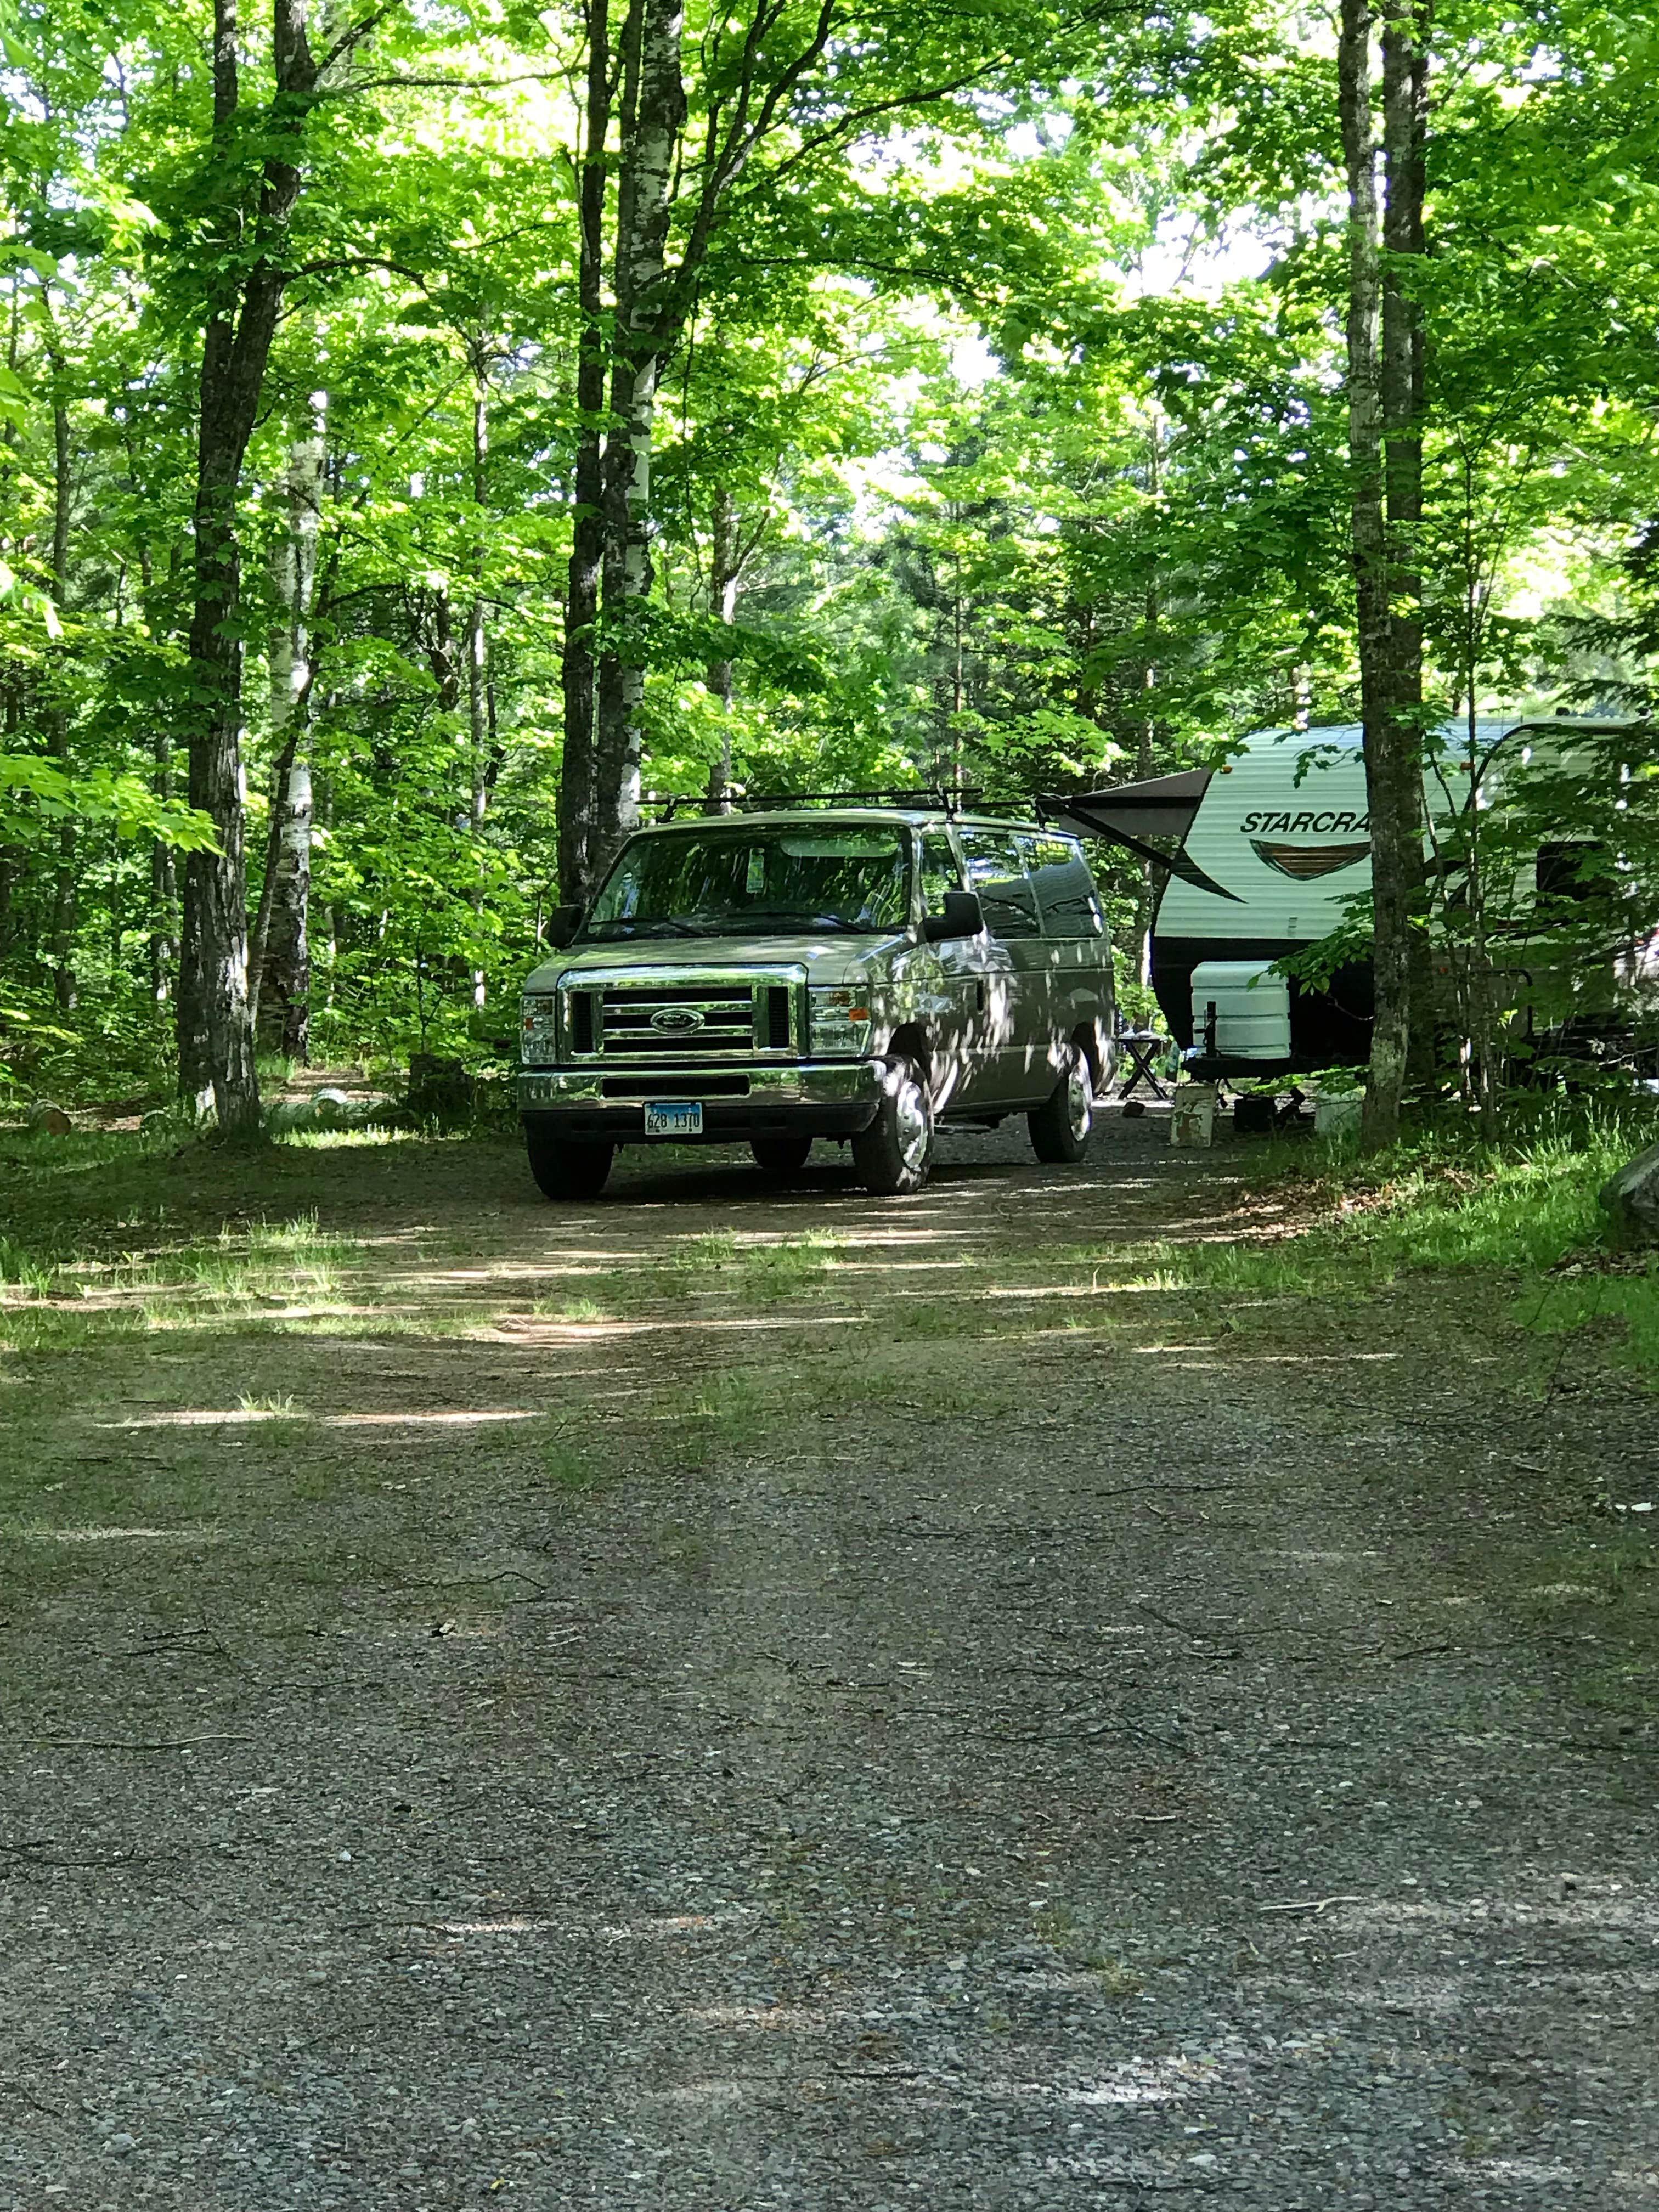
(738, 1696)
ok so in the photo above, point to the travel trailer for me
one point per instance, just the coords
(1260, 857)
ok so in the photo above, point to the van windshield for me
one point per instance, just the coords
(756, 881)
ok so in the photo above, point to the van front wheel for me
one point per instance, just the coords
(893, 1156)
(566, 1169)
(1061, 1127)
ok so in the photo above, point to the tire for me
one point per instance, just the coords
(1061, 1127)
(893, 1156)
(568, 1168)
(781, 1156)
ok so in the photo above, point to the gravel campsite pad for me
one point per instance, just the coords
(735, 1696)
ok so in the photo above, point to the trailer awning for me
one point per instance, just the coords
(1164, 806)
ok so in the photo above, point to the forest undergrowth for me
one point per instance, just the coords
(1522, 1215)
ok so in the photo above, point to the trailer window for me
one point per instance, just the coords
(1571, 872)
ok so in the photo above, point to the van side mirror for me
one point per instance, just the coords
(562, 925)
(962, 917)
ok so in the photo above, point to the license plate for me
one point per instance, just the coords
(673, 1117)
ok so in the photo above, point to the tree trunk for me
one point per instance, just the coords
(215, 1029)
(63, 889)
(652, 133)
(479, 714)
(724, 559)
(1394, 757)
(586, 529)
(1390, 653)
(279, 960)
(163, 882)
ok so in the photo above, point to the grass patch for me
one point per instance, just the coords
(701, 1256)
(32, 1156)
(793, 1264)
(73, 1298)
(576, 1465)
(1441, 1205)
(24, 1268)
(761, 1268)
(342, 1140)
(577, 1312)
(278, 1407)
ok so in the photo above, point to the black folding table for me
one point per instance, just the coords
(1143, 1046)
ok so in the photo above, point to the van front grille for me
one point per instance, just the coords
(668, 1018)
(639, 1019)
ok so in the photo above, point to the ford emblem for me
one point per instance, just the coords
(679, 1021)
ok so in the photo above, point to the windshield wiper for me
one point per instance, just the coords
(644, 929)
(788, 916)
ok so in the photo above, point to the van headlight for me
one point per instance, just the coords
(539, 1026)
(841, 1021)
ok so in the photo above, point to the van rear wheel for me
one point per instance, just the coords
(781, 1156)
(568, 1168)
(1061, 1127)
(893, 1156)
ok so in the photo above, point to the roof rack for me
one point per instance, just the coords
(931, 795)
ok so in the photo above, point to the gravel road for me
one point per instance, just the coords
(955, 1728)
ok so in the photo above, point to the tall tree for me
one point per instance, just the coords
(245, 290)
(1385, 432)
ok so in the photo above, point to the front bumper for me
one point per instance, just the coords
(809, 1098)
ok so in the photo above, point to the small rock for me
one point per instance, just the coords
(1630, 1199)
(121, 2142)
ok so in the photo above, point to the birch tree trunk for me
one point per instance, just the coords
(580, 667)
(653, 120)
(279, 960)
(215, 1029)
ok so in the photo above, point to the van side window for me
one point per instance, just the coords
(1064, 890)
(940, 871)
(996, 870)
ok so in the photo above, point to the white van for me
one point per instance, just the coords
(855, 971)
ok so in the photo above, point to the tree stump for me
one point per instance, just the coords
(440, 1091)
